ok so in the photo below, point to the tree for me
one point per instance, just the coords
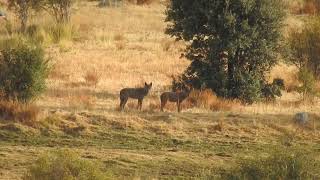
(246, 32)
(305, 47)
(23, 9)
(308, 84)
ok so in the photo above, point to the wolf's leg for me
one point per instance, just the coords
(163, 104)
(140, 104)
(178, 106)
(123, 103)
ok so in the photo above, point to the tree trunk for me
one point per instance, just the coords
(23, 16)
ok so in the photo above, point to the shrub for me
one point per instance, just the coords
(23, 10)
(23, 70)
(305, 49)
(64, 164)
(279, 165)
(59, 9)
(15, 111)
(311, 7)
(308, 83)
(37, 35)
(208, 100)
(59, 32)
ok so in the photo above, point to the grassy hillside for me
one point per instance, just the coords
(108, 49)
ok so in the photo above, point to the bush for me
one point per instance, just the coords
(59, 32)
(308, 83)
(305, 47)
(59, 9)
(208, 100)
(64, 164)
(279, 165)
(15, 111)
(23, 10)
(23, 70)
(311, 7)
(37, 35)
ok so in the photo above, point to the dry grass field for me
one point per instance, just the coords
(117, 47)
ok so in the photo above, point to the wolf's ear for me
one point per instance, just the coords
(145, 83)
(151, 84)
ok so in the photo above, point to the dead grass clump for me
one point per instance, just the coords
(219, 127)
(141, 2)
(132, 105)
(119, 37)
(82, 101)
(208, 100)
(201, 99)
(159, 129)
(120, 45)
(311, 7)
(166, 44)
(15, 111)
(134, 124)
(224, 104)
(56, 73)
(154, 107)
(295, 7)
(92, 78)
(75, 131)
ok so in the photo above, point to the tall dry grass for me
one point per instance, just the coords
(208, 100)
(15, 111)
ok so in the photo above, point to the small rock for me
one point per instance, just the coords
(301, 118)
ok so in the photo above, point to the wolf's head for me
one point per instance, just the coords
(147, 86)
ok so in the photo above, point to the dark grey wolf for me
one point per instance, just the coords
(177, 97)
(134, 93)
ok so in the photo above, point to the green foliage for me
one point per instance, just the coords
(23, 70)
(308, 83)
(37, 35)
(270, 91)
(281, 164)
(247, 32)
(250, 87)
(64, 165)
(305, 47)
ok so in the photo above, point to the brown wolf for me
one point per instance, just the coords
(177, 96)
(134, 93)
